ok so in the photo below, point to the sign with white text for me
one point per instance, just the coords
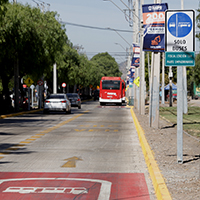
(154, 24)
(179, 30)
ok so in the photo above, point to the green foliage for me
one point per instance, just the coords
(2, 8)
(32, 38)
(107, 63)
(196, 70)
(36, 40)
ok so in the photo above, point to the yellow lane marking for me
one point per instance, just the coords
(20, 113)
(160, 187)
(91, 130)
(115, 130)
(94, 125)
(5, 153)
(107, 130)
(42, 133)
(35, 137)
(19, 145)
(79, 130)
(71, 162)
(31, 139)
(25, 142)
(12, 148)
(62, 123)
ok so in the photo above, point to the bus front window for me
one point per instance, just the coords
(110, 85)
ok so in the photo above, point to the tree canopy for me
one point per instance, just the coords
(36, 40)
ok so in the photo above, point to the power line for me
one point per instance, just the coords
(95, 27)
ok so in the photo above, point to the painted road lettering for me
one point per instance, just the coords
(98, 186)
(50, 190)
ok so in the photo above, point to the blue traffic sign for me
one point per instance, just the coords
(179, 25)
(180, 30)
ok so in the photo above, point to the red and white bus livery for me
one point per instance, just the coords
(111, 90)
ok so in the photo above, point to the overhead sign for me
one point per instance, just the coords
(28, 82)
(179, 30)
(154, 24)
(179, 58)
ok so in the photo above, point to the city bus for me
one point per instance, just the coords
(111, 90)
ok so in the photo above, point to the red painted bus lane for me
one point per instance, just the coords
(84, 186)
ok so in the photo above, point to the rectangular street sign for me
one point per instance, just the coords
(179, 59)
(180, 30)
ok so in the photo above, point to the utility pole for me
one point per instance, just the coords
(54, 79)
(163, 78)
(170, 86)
(142, 67)
(136, 40)
(155, 82)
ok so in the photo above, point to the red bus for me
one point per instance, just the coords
(111, 90)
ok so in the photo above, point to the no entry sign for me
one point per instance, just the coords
(91, 186)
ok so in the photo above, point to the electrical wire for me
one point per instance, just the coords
(94, 27)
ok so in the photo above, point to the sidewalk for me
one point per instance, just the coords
(182, 180)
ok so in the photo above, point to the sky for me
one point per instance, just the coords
(102, 16)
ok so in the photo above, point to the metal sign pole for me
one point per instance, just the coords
(180, 114)
(28, 98)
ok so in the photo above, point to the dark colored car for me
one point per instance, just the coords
(74, 99)
(96, 95)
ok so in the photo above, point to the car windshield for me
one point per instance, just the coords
(56, 97)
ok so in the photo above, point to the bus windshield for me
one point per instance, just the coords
(110, 85)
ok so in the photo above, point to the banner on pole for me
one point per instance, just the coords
(136, 56)
(154, 24)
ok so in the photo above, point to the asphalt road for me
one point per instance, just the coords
(92, 153)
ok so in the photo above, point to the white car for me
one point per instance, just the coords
(57, 102)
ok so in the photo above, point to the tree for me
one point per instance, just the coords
(107, 63)
(196, 69)
(31, 38)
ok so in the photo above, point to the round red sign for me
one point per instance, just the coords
(64, 84)
(40, 82)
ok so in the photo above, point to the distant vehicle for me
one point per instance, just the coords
(96, 95)
(57, 102)
(74, 99)
(110, 90)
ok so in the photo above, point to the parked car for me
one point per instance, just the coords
(57, 102)
(74, 99)
(96, 95)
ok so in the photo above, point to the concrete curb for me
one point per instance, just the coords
(20, 113)
(160, 187)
